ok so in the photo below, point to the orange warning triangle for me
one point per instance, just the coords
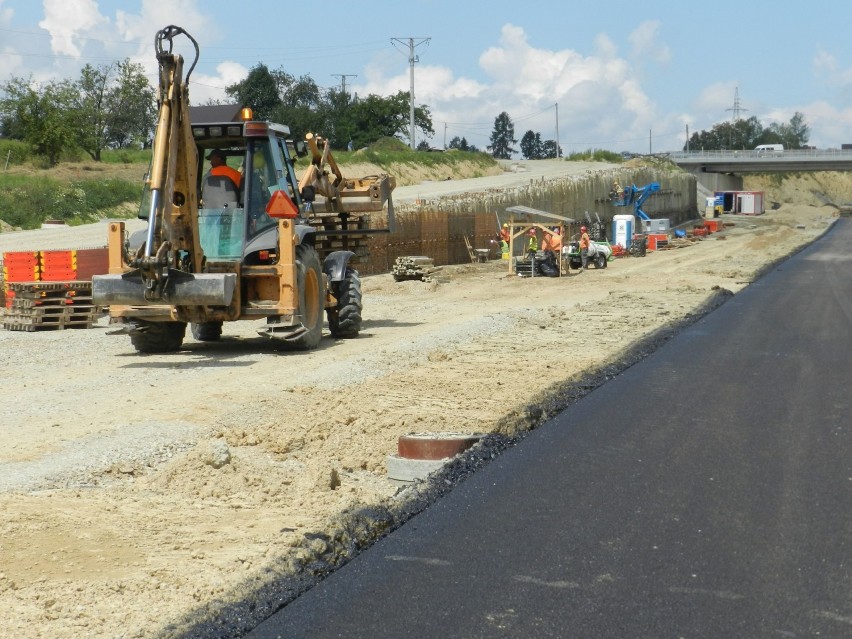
(281, 206)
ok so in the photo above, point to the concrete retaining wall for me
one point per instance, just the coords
(437, 228)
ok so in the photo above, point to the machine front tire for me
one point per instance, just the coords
(344, 320)
(160, 337)
(309, 282)
(600, 261)
(206, 331)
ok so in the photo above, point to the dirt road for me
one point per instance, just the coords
(140, 493)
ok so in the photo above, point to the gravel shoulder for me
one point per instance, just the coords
(139, 494)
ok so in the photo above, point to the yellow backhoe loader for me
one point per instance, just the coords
(247, 242)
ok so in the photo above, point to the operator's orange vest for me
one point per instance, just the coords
(228, 172)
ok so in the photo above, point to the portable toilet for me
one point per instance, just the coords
(622, 230)
(710, 207)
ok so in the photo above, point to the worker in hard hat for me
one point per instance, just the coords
(585, 240)
(532, 245)
(552, 241)
(504, 234)
(503, 237)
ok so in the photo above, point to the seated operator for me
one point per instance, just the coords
(221, 184)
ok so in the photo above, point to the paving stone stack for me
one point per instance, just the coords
(413, 267)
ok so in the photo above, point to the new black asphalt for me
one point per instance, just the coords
(704, 492)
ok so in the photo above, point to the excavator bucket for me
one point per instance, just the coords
(180, 289)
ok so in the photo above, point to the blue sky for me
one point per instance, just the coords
(625, 75)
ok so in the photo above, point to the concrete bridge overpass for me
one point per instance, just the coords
(723, 170)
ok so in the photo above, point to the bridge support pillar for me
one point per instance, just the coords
(719, 181)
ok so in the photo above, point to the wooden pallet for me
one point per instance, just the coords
(50, 306)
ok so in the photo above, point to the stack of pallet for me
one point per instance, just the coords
(49, 305)
(51, 289)
(413, 267)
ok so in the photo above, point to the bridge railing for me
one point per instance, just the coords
(788, 154)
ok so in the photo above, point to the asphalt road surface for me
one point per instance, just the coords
(705, 492)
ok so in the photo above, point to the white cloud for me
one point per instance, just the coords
(204, 87)
(713, 100)
(5, 15)
(830, 126)
(645, 43)
(599, 98)
(829, 70)
(69, 22)
(10, 61)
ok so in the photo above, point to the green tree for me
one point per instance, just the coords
(502, 138)
(337, 126)
(549, 149)
(531, 146)
(375, 117)
(261, 90)
(44, 116)
(794, 134)
(459, 144)
(747, 134)
(133, 107)
(115, 106)
(303, 107)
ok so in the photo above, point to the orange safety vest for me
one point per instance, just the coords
(584, 241)
(552, 242)
(228, 172)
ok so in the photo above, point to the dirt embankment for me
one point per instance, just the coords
(142, 494)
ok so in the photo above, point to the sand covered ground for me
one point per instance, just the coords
(140, 495)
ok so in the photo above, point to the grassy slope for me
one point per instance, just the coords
(81, 192)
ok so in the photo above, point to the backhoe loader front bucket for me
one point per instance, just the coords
(181, 289)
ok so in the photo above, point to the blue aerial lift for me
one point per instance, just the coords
(635, 196)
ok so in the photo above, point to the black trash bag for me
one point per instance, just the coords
(546, 264)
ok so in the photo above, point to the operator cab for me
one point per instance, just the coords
(234, 224)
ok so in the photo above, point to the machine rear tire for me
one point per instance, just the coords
(344, 320)
(160, 337)
(309, 283)
(600, 261)
(206, 331)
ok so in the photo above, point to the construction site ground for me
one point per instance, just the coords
(142, 494)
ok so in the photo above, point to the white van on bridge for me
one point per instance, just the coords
(768, 148)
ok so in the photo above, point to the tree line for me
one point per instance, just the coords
(746, 134)
(109, 106)
(113, 106)
(532, 146)
(346, 121)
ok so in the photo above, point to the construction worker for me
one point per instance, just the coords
(532, 246)
(584, 247)
(219, 167)
(504, 234)
(552, 241)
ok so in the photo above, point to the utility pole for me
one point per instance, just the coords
(343, 77)
(412, 59)
(687, 138)
(445, 136)
(650, 148)
(557, 130)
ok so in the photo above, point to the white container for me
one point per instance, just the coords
(622, 230)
